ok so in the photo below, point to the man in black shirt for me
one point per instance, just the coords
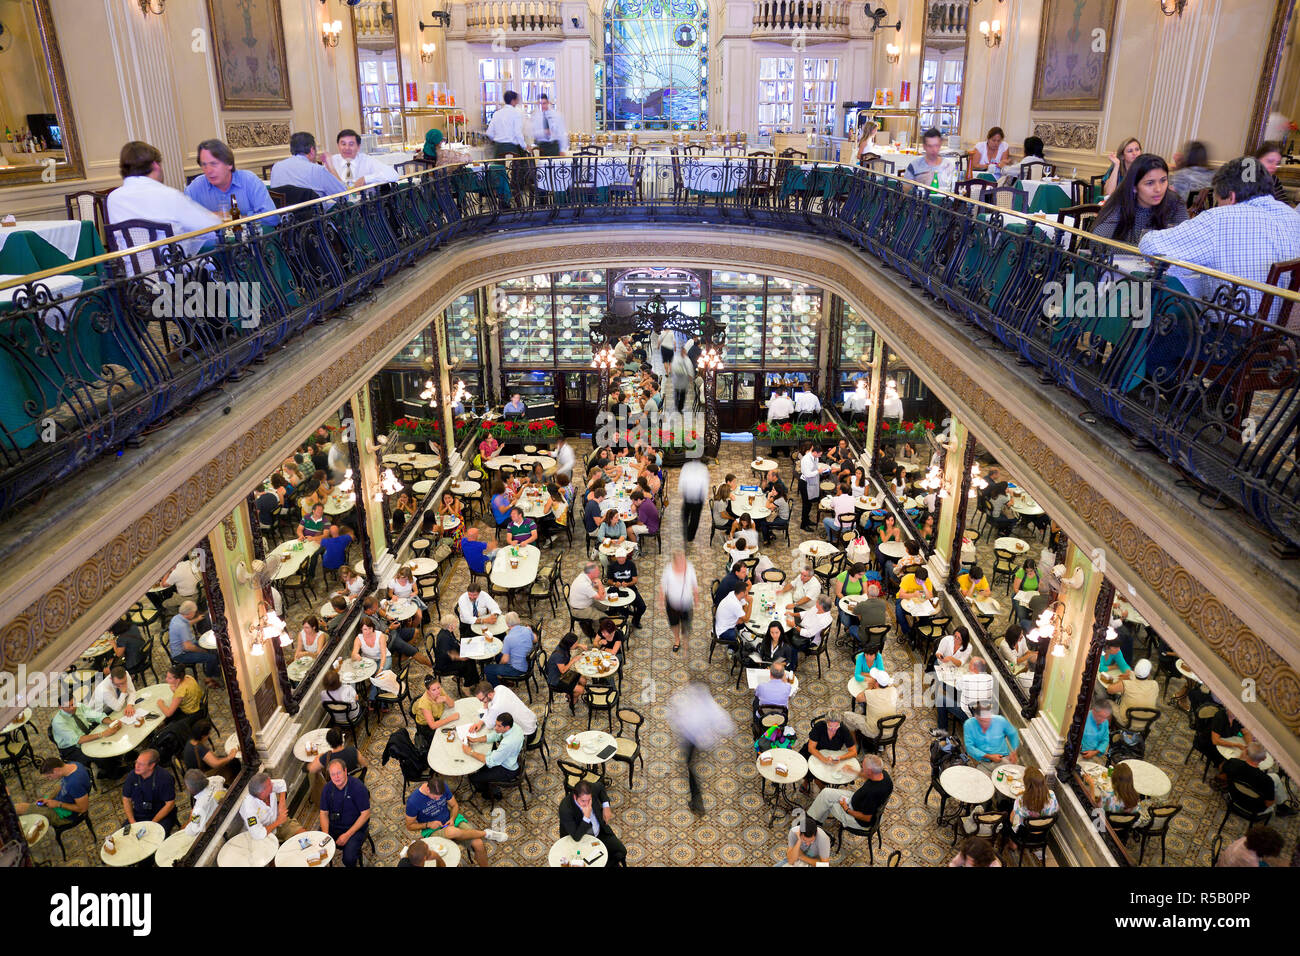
(860, 810)
(334, 740)
(622, 571)
(591, 512)
(586, 812)
(1245, 771)
(149, 793)
(733, 580)
(829, 734)
(1226, 731)
(269, 500)
(446, 652)
(345, 812)
(128, 644)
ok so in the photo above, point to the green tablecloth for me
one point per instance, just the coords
(1048, 198)
(25, 252)
(827, 181)
(493, 177)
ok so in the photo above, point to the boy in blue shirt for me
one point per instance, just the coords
(430, 810)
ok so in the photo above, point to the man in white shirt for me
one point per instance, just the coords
(733, 610)
(206, 794)
(264, 809)
(552, 135)
(304, 168)
(502, 700)
(185, 578)
(693, 487)
(810, 483)
(509, 128)
(779, 406)
(806, 401)
(564, 457)
(356, 168)
(812, 627)
(584, 592)
(623, 347)
(804, 589)
(841, 504)
(143, 195)
(975, 690)
(475, 607)
(114, 692)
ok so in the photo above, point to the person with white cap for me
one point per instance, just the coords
(1140, 690)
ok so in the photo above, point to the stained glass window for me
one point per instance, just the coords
(656, 64)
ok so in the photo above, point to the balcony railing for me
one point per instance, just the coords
(515, 23)
(1187, 363)
(947, 20)
(815, 21)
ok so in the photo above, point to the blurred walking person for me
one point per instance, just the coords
(701, 725)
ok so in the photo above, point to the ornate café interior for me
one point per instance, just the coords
(858, 456)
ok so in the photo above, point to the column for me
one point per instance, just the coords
(1088, 679)
(875, 389)
(143, 48)
(373, 545)
(442, 389)
(227, 642)
(954, 502)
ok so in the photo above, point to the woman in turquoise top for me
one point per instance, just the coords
(861, 666)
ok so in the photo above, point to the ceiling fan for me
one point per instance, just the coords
(877, 15)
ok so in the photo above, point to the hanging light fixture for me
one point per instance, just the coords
(428, 394)
(604, 360)
(977, 482)
(711, 360)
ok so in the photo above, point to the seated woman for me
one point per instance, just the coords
(1123, 797)
(888, 531)
(199, 755)
(742, 529)
(450, 507)
(612, 528)
(501, 503)
(1143, 202)
(429, 151)
(555, 513)
(1001, 515)
(352, 585)
(1120, 161)
(774, 646)
(1025, 578)
(609, 637)
(403, 511)
(721, 506)
(866, 662)
(859, 486)
(954, 649)
(1036, 802)
(334, 691)
(779, 506)
(1192, 171)
(976, 851)
(991, 153)
(372, 644)
(404, 589)
(488, 447)
(560, 672)
(311, 639)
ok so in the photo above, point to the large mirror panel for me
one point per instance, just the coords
(36, 130)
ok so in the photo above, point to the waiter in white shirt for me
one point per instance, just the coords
(806, 401)
(779, 406)
(856, 402)
(356, 168)
(143, 195)
(810, 483)
(552, 135)
(508, 129)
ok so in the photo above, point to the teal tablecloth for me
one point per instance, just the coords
(25, 252)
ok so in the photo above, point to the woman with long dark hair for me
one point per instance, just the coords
(1120, 161)
(1142, 202)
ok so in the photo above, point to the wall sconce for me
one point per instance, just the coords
(877, 18)
(892, 52)
(330, 32)
(1167, 7)
(269, 627)
(388, 485)
(156, 7)
(977, 482)
(992, 33)
(427, 51)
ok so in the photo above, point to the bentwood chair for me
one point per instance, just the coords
(1157, 828)
(869, 833)
(1245, 803)
(572, 774)
(1032, 836)
(629, 748)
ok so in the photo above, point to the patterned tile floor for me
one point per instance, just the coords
(653, 819)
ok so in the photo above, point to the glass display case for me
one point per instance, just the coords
(794, 312)
(856, 337)
(737, 298)
(546, 318)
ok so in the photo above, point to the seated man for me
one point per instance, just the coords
(1141, 690)
(868, 612)
(810, 628)
(1096, 733)
(221, 182)
(975, 690)
(128, 645)
(71, 728)
(305, 168)
(183, 642)
(515, 648)
(502, 700)
(521, 530)
(206, 794)
(776, 691)
(149, 793)
(807, 845)
(622, 571)
(356, 168)
(733, 580)
(974, 584)
(114, 692)
(586, 812)
(990, 738)
(475, 607)
(859, 810)
(143, 195)
(828, 735)
(584, 592)
(432, 810)
(1245, 770)
(313, 526)
(501, 764)
(345, 812)
(72, 797)
(476, 553)
(264, 810)
(803, 589)
(881, 697)
(733, 610)
(351, 757)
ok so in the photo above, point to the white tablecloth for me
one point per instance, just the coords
(62, 234)
(715, 175)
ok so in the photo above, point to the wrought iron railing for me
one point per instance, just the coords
(87, 370)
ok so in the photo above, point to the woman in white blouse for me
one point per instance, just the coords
(311, 640)
(991, 152)
(954, 649)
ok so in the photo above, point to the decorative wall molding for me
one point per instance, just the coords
(1066, 135)
(246, 134)
(53, 616)
(232, 533)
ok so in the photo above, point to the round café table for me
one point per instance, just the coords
(1026, 506)
(1148, 779)
(590, 744)
(491, 648)
(422, 566)
(1182, 668)
(626, 595)
(173, 849)
(464, 488)
(565, 848)
(445, 756)
(419, 461)
(485, 629)
(988, 605)
(19, 721)
(757, 510)
(326, 612)
(402, 609)
(763, 465)
(596, 664)
(340, 504)
(354, 672)
(515, 567)
(449, 850)
(1012, 782)
(292, 852)
(316, 737)
(297, 669)
(244, 851)
(522, 462)
(422, 487)
(838, 774)
(921, 608)
(893, 549)
(611, 551)
(967, 785)
(1014, 545)
(293, 554)
(815, 549)
(35, 827)
(140, 841)
(797, 768)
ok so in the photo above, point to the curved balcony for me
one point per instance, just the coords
(812, 21)
(514, 23)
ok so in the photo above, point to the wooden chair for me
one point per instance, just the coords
(1034, 168)
(1238, 798)
(89, 205)
(629, 748)
(1157, 828)
(1032, 836)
